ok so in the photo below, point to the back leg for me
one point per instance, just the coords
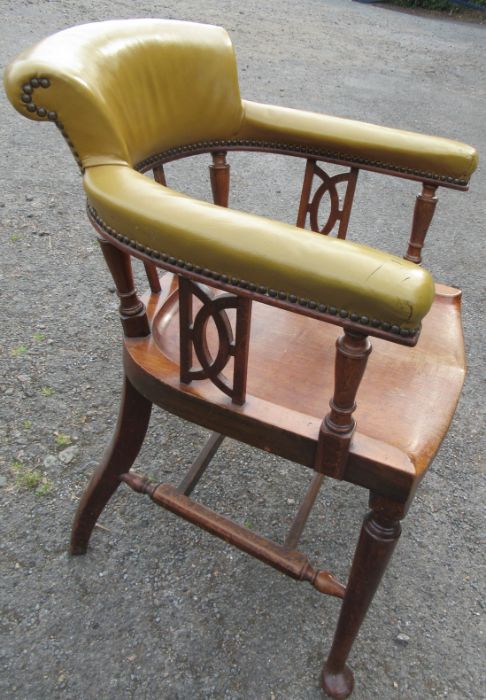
(131, 427)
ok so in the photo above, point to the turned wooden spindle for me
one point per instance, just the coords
(219, 173)
(153, 277)
(159, 175)
(422, 217)
(352, 350)
(132, 310)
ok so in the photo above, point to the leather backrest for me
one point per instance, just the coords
(123, 90)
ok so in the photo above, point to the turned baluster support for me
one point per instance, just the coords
(219, 173)
(159, 175)
(352, 350)
(422, 217)
(132, 310)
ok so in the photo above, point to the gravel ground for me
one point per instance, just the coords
(158, 609)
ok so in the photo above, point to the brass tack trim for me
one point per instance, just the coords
(244, 284)
(27, 98)
(292, 148)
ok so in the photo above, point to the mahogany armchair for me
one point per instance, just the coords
(130, 96)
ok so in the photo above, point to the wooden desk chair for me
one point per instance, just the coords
(241, 335)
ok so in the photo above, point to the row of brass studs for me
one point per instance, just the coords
(27, 99)
(316, 152)
(250, 286)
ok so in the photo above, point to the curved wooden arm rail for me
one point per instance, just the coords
(258, 330)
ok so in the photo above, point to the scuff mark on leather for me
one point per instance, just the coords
(374, 271)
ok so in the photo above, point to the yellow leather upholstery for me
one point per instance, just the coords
(125, 89)
(345, 139)
(122, 91)
(348, 276)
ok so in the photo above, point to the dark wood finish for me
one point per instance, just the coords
(306, 192)
(338, 426)
(300, 520)
(289, 562)
(159, 175)
(131, 427)
(219, 173)
(311, 204)
(200, 464)
(153, 277)
(379, 536)
(132, 310)
(174, 357)
(422, 218)
(384, 455)
(193, 335)
(345, 212)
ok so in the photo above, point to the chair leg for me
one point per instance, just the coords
(132, 424)
(379, 535)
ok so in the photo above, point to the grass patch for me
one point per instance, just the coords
(39, 336)
(61, 439)
(19, 350)
(30, 479)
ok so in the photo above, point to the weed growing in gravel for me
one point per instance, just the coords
(47, 391)
(61, 439)
(27, 424)
(39, 336)
(44, 488)
(30, 479)
(19, 350)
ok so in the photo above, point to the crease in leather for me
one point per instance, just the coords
(347, 275)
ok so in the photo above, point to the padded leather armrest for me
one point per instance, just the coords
(298, 264)
(367, 144)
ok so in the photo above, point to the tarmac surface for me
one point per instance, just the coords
(157, 608)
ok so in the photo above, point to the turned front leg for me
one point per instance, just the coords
(379, 536)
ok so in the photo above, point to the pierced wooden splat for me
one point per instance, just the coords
(310, 204)
(193, 337)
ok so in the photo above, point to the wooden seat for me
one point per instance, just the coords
(342, 358)
(408, 419)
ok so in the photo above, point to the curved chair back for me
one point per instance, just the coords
(126, 90)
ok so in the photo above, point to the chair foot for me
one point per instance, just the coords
(130, 431)
(337, 685)
(378, 538)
